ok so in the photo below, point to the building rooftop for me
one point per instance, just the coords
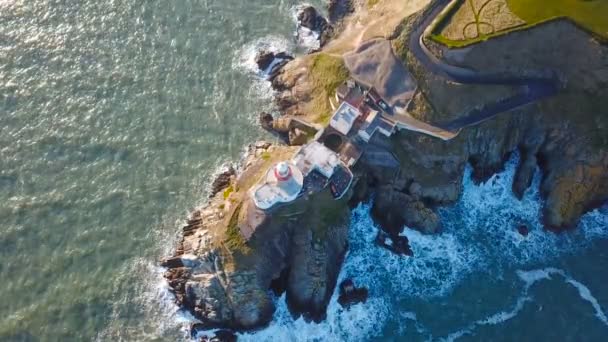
(315, 156)
(344, 118)
(374, 65)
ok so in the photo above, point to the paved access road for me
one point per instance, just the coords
(533, 88)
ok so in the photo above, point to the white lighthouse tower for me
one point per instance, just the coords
(282, 184)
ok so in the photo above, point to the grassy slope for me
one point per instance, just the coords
(327, 72)
(590, 14)
(234, 241)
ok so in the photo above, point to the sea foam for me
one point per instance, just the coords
(479, 235)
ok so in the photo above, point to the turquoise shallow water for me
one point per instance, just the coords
(113, 117)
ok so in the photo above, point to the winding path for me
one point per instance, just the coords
(533, 88)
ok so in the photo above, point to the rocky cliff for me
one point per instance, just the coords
(565, 135)
(297, 249)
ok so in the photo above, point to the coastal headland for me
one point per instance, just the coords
(388, 109)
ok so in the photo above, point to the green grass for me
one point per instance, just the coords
(372, 3)
(228, 191)
(326, 214)
(482, 37)
(266, 155)
(591, 15)
(328, 73)
(234, 240)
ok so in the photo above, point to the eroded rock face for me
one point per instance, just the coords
(315, 264)
(271, 62)
(394, 209)
(565, 135)
(570, 143)
(222, 181)
(311, 19)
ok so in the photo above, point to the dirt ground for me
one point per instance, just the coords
(379, 21)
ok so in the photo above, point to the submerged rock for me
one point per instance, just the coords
(218, 336)
(351, 295)
(523, 230)
(397, 244)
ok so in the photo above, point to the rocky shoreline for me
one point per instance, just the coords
(226, 282)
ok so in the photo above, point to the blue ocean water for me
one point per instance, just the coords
(115, 115)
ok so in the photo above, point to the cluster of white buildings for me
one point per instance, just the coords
(284, 182)
(355, 118)
(360, 109)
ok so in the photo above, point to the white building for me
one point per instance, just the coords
(375, 122)
(284, 181)
(282, 184)
(315, 156)
(344, 118)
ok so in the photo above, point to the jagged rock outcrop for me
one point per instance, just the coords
(350, 294)
(338, 9)
(311, 19)
(393, 209)
(222, 181)
(271, 62)
(266, 121)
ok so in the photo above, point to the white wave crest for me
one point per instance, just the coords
(533, 276)
(245, 57)
(244, 61)
(530, 278)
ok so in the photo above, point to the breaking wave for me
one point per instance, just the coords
(244, 61)
(245, 57)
